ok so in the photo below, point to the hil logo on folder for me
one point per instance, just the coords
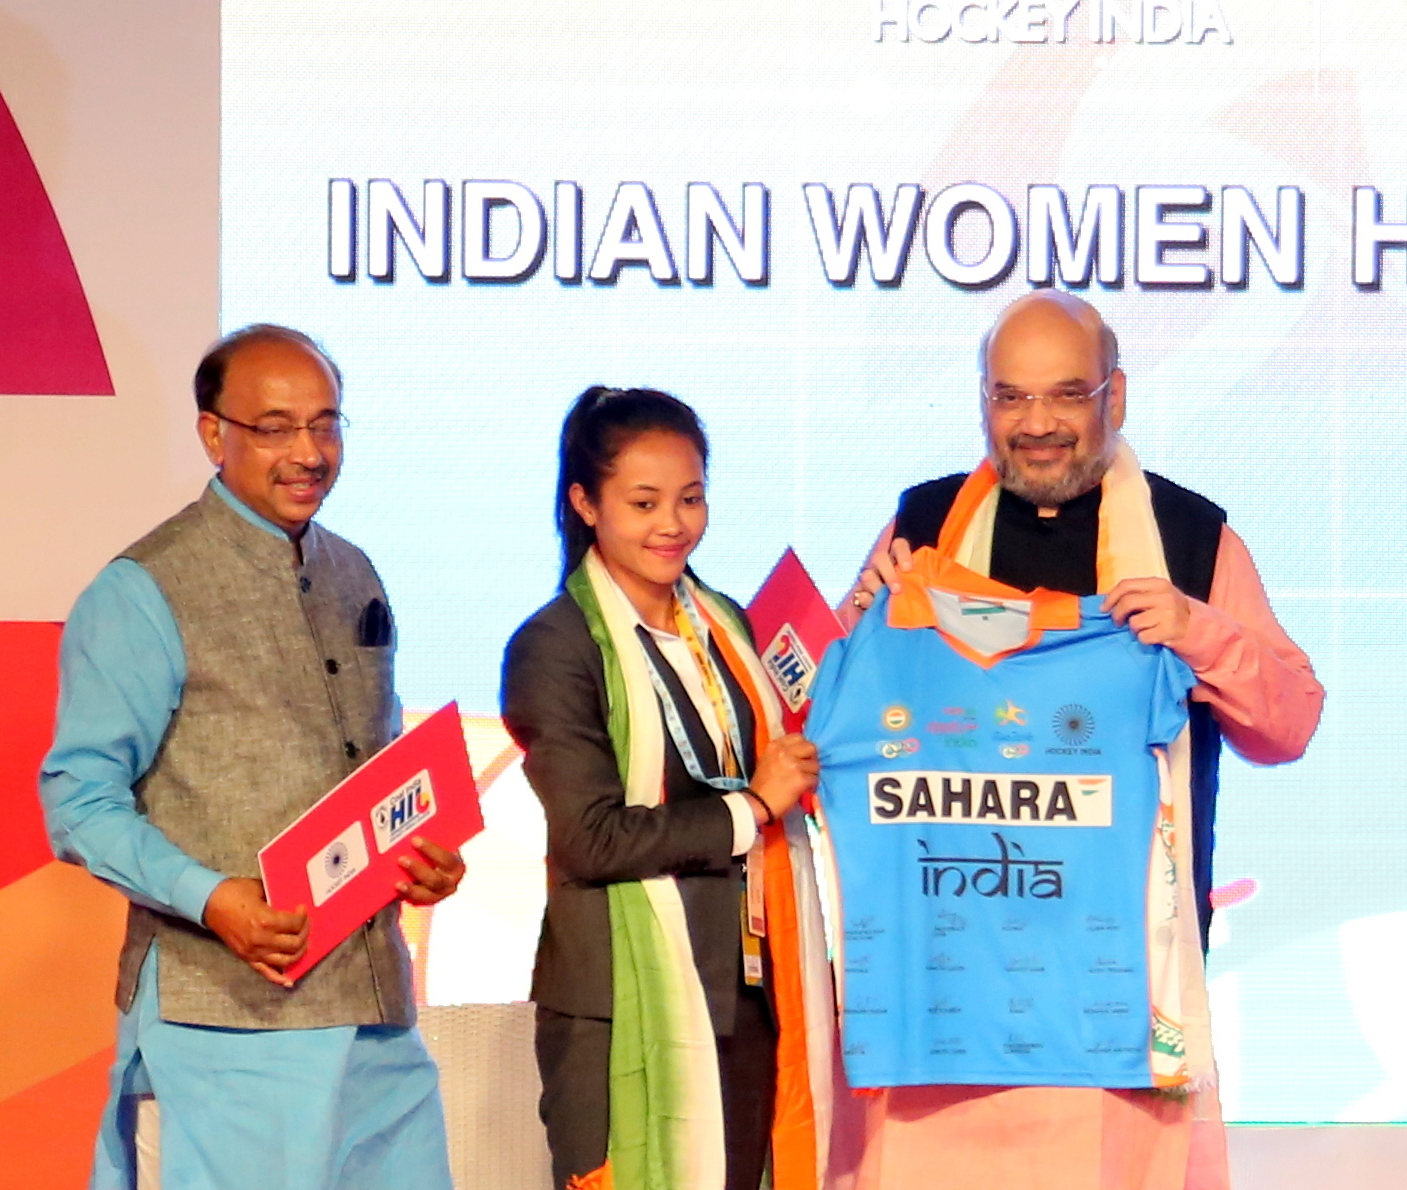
(793, 624)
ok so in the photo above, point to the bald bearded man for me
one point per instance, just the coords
(1042, 511)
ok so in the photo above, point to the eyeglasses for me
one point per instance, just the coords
(325, 430)
(1060, 405)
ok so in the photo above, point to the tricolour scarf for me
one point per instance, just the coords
(666, 1113)
(1130, 546)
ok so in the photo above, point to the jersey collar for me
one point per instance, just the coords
(911, 606)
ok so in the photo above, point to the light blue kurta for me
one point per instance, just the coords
(280, 1109)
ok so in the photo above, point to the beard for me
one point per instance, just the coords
(1086, 466)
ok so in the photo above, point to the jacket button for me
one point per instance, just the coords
(332, 666)
(305, 584)
(351, 750)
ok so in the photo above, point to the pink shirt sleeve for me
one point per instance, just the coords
(1259, 683)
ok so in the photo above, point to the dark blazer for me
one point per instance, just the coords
(554, 705)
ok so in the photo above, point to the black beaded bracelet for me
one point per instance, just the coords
(757, 797)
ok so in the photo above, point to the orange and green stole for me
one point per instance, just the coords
(666, 1112)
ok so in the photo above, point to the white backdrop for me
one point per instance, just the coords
(823, 398)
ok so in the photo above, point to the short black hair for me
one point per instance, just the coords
(210, 373)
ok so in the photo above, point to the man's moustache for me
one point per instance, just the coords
(317, 475)
(1036, 441)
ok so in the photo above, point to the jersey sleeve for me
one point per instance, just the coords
(823, 690)
(1173, 680)
(822, 693)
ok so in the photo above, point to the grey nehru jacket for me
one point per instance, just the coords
(288, 689)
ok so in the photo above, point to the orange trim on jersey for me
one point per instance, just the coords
(912, 607)
(794, 1154)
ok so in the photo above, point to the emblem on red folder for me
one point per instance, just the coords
(790, 666)
(791, 615)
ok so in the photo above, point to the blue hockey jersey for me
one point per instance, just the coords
(992, 799)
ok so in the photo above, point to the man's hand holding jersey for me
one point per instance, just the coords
(1152, 608)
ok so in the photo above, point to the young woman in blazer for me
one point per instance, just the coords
(683, 1011)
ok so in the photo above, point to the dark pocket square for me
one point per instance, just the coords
(375, 628)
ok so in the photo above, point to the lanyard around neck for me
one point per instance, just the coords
(690, 624)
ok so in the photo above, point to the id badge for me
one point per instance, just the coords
(752, 948)
(756, 899)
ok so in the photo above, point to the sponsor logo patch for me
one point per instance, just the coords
(937, 798)
(896, 718)
(956, 721)
(1010, 715)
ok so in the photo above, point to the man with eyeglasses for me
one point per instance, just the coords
(1054, 504)
(218, 678)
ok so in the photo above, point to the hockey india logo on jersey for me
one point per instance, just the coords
(1016, 799)
(789, 666)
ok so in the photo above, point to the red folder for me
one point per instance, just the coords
(339, 859)
(793, 624)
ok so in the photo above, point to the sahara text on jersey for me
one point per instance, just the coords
(1030, 799)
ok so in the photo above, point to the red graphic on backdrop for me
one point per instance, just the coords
(29, 689)
(48, 343)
